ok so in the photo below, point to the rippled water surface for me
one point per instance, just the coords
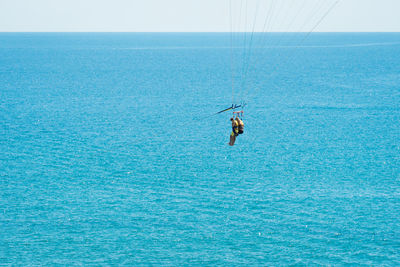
(108, 154)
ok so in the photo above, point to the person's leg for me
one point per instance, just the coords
(231, 139)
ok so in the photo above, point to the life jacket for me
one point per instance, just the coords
(235, 127)
(241, 125)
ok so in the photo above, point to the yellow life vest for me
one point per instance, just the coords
(235, 127)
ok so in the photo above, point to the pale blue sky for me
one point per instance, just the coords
(194, 15)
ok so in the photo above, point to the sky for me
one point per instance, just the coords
(198, 15)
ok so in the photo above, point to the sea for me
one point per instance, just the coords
(110, 152)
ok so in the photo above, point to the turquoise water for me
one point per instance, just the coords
(108, 155)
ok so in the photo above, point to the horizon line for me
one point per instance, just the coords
(157, 32)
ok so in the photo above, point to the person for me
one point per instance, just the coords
(240, 125)
(235, 132)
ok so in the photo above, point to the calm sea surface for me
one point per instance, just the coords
(108, 155)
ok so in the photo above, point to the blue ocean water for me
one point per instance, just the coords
(108, 155)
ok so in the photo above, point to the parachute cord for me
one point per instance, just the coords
(309, 32)
(244, 47)
(275, 15)
(302, 41)
(264, 41)
(323, 17)
(289, 25)
(238, 38)
(311, 15)
(275, 6)
(249, 53)
(232, 66)
(267, 22)
(266, 25)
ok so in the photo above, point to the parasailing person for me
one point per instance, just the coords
(234, 133)
(240, 125)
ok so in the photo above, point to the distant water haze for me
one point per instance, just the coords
(198, 16)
